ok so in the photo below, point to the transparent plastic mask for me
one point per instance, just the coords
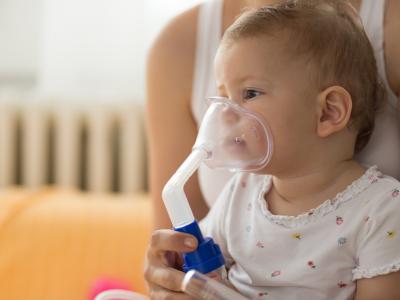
(234, 137)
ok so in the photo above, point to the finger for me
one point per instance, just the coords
(158, 293)
(167, 278)
(162, 294)
(170, 240)
(172, 259)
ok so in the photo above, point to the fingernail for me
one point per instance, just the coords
(189, 243)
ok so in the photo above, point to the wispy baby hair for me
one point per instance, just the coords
(330, 36)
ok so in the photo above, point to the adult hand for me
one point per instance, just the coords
(164, 262)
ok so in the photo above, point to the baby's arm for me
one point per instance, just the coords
(384, 287)
(377, 274)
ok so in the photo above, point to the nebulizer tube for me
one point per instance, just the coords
(207, 258)
(230, 137)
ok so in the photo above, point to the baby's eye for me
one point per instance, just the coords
(250, 94)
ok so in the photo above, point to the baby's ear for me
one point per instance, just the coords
(334, 110)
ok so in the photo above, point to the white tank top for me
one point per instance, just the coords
(384, 147)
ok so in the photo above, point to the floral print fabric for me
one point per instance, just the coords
(317, 255)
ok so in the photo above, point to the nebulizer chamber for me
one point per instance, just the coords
(230, 137)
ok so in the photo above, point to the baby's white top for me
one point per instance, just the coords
(317, 255)
(383, 149)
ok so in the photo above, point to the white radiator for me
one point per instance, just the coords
(99, 149)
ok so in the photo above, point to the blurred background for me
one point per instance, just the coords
(72, 89)
(75, 214)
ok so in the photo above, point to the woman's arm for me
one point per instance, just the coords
(384, 287)
(392, 44)
(171, 127)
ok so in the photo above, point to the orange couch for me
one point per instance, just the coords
(55, 243)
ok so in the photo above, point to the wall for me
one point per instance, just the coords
(81, 48)
(20, 41)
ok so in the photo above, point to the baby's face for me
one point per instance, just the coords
(259, 75)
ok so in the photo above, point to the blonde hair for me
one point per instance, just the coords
(330, 35)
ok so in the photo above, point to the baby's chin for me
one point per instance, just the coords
(263, 171)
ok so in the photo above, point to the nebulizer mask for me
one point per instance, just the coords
(230, 137)
(233, 137)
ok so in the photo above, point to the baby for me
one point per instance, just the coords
(311, 223)
(319, 225)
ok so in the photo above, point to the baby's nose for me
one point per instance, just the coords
(229, 115)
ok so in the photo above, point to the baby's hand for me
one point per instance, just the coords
(163, 263)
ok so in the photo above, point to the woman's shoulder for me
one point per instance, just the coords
(392, 43)
(176, 42)
(169, 73)
(170, 64)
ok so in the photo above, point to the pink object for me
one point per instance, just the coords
(105, 284)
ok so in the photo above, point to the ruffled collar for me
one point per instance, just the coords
(370, 176)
